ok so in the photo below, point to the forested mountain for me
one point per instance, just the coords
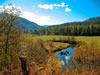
(28, 25)
(95, 20)
(90, 27)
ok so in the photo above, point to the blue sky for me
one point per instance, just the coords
(49, 12)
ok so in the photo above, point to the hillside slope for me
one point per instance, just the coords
(95, 20)
(28, 25)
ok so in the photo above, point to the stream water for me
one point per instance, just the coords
(66, 57)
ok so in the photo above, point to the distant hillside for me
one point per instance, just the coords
(45, 26)
(28, 25)
(95, 20)
(90, 27)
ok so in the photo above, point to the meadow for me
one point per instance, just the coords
(87, 39)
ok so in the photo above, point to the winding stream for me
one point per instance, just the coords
(66, 57)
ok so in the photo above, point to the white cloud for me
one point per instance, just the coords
(67, 5)
(1, 7)
(1, 10)
(41, 20)
(59, 5)
(45, 6)
(67, 10)
(63, 4)
(51, 6)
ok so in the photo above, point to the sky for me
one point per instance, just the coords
(52, 12)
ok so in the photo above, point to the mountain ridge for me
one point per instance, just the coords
(27, 25)
(94, 20)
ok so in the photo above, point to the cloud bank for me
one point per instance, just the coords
(51, 6)
(41, 20)
(67, 10)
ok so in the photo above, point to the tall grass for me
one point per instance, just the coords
(88, 56)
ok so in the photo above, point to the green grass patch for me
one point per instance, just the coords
(60, 47)
(87, 39)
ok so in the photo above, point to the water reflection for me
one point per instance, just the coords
(66, 57)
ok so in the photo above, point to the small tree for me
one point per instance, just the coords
(9, 18)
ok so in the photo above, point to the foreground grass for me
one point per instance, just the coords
(87, 57)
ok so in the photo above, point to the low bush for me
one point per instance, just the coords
(88, 56)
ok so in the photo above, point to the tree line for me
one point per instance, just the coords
(77, 30)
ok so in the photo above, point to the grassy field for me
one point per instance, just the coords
(87, 39)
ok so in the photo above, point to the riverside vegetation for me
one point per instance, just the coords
(40, 51)
(37, 50)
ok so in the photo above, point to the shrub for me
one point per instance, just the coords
(88, 56)
(52, 66)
